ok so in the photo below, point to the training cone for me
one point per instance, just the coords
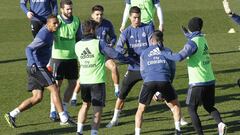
(232, 30)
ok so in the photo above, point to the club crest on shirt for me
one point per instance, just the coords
(144, 34)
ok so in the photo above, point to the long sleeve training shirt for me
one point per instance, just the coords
(40, 8)
(39, 51)
(105, 32)
(136, 40)
(154, 66)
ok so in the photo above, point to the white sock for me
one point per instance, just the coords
(94, 132)
(14, 112)
(64, 106)
(80, 128)
(116, 114)
(74, 96)
(177, 125)
(116, 87)
(52, 109)
(63, 116)
(137, 131)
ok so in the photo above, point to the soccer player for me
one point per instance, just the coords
(235, 18)
(104, 32)
(90, 52)
(136, 36)
(201, 78)
(38, 54)
(158, 74)
(148, 8)
(64, 59)
(38, 12)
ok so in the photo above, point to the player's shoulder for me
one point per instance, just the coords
(43, 32)
(167, 49)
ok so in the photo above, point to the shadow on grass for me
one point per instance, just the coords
(224, 52)
(57, 131)
(12, 60)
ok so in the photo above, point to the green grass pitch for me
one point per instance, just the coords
(15, 35)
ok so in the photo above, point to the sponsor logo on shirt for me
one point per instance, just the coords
(34, 1)
(154, 52)
(86, 54)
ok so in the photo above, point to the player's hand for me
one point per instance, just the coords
(122, 28)
(226, 7)
(160, 27)
(30, 15)
(184, 29)
(33, 68)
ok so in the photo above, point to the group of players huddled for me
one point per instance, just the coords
(65, 48)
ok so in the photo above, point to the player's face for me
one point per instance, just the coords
(97, 16)
(153, 40)
(53, 24)
(67, 11)
(135, 19)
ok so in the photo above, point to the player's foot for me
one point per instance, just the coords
(222, 129)
(177, 132)
(69, 122)
(78, 133)
(10, 120)
(183, 122)
(74, 102)
(112, 124)
(53, 116)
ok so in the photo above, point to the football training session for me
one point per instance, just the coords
(120, 67)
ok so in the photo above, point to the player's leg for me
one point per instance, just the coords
(97, 113)
(129, 80)
(75, 93)
(139, 118)
(171, 100)
(192, 101)
(208, 104)
(57, 72)
(98, 97)
(26, 104)
(111, 65)
(175, 108)
(68, 92)
(82, 116)
(70, 68)
(145, 97)
(64, 118)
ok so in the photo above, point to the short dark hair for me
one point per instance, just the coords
(195, 24)
(135, 9)
(65, 2)
(89, 27)
(97, 8)
(51, 17)
(158, 35)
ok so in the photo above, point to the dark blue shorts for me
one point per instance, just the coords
(40, 79)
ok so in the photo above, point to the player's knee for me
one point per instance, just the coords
(141, 108)
(86, 105)
(113, 67)
(36, 99)
(209, 108)
(175, 109)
